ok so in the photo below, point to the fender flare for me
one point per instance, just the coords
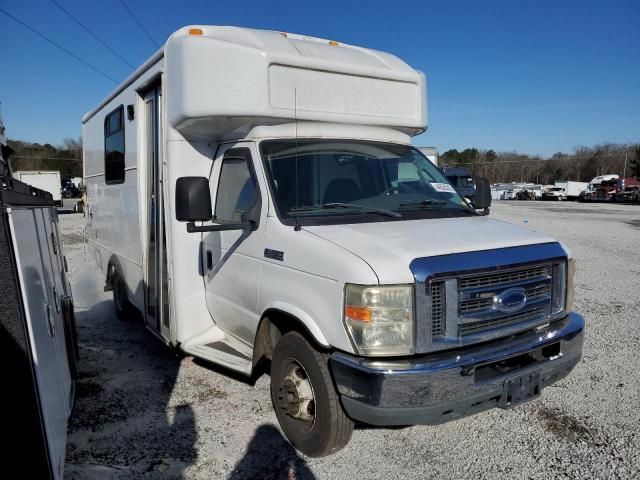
(303, 317)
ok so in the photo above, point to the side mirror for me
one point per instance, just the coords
(193, 199)
(482, 197)
(193, 204)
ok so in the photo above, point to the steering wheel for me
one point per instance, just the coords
(396, 190)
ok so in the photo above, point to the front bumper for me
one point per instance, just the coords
(440, 387)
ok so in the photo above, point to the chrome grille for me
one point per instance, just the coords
(510, 320)
(534, 291)
(504, 277)
(477, 313)
(455, 305)
(437, 309)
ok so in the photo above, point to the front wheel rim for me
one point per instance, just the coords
(295, 395)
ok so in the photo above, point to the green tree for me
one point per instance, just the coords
(450, 157)
(469, 155)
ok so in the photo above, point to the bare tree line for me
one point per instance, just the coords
(583, 165)
(66, 158)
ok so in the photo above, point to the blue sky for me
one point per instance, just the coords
(532, 76)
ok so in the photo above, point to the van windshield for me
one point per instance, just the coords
(313, 178)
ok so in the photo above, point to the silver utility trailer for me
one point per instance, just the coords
(38, 347)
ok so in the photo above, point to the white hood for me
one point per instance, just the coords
(389, 247)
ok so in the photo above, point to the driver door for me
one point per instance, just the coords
(231, 260)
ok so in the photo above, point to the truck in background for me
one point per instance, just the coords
(460, 178)
(431, 153)
(628, 191)
(572, 189)
(554, 193)
(256, 220)
(48, 180)
(600, 189)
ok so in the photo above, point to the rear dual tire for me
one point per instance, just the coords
(125, 310)
(305, 399)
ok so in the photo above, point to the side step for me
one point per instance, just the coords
(216, 347)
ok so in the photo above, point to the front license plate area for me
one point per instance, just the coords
(520, 389)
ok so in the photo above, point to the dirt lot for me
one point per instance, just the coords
(145, 412)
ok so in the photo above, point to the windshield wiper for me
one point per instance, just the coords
(362, 208)
(428, 203)
(423, 203)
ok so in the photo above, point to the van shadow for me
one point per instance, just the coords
(270, 457)
(124, 424)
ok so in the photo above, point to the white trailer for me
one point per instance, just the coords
(49, 181)
(256, 196)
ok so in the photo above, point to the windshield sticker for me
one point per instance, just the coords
(442, 187)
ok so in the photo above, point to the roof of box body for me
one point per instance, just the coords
(257, 77)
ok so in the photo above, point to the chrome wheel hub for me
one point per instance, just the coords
(295, 395)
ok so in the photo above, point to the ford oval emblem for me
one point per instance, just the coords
(510, 300)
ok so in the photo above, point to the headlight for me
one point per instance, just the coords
(379, 319)
(562, 295)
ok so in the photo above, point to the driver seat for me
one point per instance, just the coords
(342, 190)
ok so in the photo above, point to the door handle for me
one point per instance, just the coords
(209, 260)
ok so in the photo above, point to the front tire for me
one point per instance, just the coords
(305, 399)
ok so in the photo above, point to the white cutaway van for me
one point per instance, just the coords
(255, 195)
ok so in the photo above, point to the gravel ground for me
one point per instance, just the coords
(144, 411)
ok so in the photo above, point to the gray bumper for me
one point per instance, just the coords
(436, 388)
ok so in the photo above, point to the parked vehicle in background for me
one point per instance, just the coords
(572, 189)
(554, 193)
(630, 192)
(431, 153)
(510, 191)
(80, 205)
(460, 178)
(49, 181)
(525, 195)
(77, 182)
(69, 190)
(594, 193)
(317, 239)
(5, 152)
(605, 191)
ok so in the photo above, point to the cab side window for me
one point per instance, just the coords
(237, 186)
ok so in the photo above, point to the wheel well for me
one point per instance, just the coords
(273, 325)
